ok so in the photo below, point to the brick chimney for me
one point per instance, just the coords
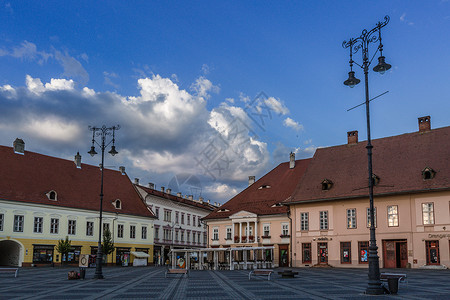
(292, 160)
(136, 181)
(424, 124)
(78, 160)
(19, 146)
(122, 170)
(169, 191)
(251, 180)
(162, 189)
(200, 199)
(179, 195)
(151, 185)
(191, 197)
(352, 137)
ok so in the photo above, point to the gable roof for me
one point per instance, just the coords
(398, 161)
(29, 177)
(205, 206)
(259, 200)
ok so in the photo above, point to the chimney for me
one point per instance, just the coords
(136, 181)
(162, 189)
(200, 199)
(179, 194)
(251, 180)
(169, 191)
(352, 137)
(208, 201)
(151, 185)
(191, 197)
(292, 160)
(77, 160)
(19, 146)
(424, 124)
(122, 170)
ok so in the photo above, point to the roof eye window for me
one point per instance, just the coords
(428, 173)
(327, 184)
(264, 186)
(117, 204)
(223, 210)
(52, 196)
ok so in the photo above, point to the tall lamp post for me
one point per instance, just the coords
(102, 132)
(362, 43)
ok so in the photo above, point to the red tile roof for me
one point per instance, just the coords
(282, 181)
(206, 206)
(398, 161)
(28, 177)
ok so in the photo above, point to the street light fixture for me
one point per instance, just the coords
(355, 44)
(102, 132)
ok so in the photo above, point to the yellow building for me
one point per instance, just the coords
(44, 199)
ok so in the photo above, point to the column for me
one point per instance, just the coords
(256, 231)
(240, 232)
(232, 231)
(247, 230)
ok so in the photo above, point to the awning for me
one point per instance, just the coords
(140, 254)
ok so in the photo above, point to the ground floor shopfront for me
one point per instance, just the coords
(24, 252)
(399, 251)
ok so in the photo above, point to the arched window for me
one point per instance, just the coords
(52, 196)
(117, 204)
(428, 173)
(327, 184)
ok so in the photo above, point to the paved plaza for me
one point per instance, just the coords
(149, 283)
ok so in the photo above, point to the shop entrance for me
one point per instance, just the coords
(284, 255)
(395, 253)
(432, 249)
(10, 251)
(322, 252)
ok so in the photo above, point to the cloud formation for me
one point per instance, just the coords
(288, 122)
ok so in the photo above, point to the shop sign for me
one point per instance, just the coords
(439, 236)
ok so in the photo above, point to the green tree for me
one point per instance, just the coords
(108, 244)
(64, 247)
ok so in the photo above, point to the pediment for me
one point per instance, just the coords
(243, 214)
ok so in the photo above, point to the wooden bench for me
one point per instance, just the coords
(177, 271)
(400, 277)
(260, 272)
(15, 270)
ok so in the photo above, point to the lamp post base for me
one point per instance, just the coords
(98, 276)
(375, 289)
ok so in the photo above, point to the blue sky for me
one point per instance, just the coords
(188, 81)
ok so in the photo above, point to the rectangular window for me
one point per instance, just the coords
(72, 227)
(105, 227)
(428, 213)
(304, 223)
(351, 218)
(176, 216)
(392, 215)
(199, 238)
(89, 228)
(374, 217)
(285, 229)
(120, 230)
(182, 236)
(156, 233)
(228, 233)
(306, 253)
(167, 234)
(38, 224)
(188, 237)
(167, 215)
(144, 232)
(193, 237)
(182, 218)
(157, 212)
(18, 223)
(215, 234)
(132, 232)
(363, 255)
(323, 220)
(2, 220)
(54, 226)
(199, 221)
(193, 220)
(266, 230)
(176, 235)
(346, 252)
(188, 219)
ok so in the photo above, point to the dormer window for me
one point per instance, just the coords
(375, 180)
(327, 184)
(264, 186)
(52, 196)
(277, 205)
(117, 204)
(223, 210)
(428, 173)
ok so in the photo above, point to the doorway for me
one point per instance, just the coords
(284, 255)
(432, 249)
(11, 253)
(322, 252)
(395, 253)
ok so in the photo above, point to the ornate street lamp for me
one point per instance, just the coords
(355, 44)
(102, 133)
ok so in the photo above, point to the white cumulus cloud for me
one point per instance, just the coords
(288, 122)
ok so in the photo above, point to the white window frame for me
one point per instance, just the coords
(72, 227)
(266, 230)
(229, 233)
(54, 226)
(304, 221)
(428, 213)
(132, 231)
(120, 230)
(2, 221)
(215, 233)
(393, 219)
(89, 228)
(144, 232)
(351, 218)
(38, 224)
(285, 229)
(19, 221)
(323, 216)
(368, 216)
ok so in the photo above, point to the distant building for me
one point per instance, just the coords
(44, 199)
(255, 217)
(411, 176)
(178, 220)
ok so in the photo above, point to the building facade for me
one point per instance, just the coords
(178, 222)
(255, 216)
(411, 177)
(44, 199)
